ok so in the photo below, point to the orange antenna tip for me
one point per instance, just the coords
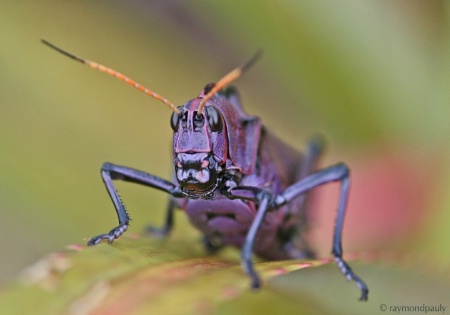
(228, 78)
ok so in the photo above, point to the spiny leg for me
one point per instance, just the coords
(338, 172)
(247, 249)
(337, 241)
(122, 214)
(168, 223)
(264, 203)
(112, 172)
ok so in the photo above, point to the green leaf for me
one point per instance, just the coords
(173, 276)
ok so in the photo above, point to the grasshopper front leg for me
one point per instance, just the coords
(247, 249)
(262, 199)
(112, 172)
(338, 172)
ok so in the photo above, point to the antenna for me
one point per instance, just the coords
(113, 73)
(228, 78)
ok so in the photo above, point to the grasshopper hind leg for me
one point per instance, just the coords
(292, 237)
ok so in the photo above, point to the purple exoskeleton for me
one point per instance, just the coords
(237, 182)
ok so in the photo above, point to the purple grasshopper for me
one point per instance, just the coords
(238, 183)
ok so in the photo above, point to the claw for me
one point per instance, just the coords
(350, 275)
(111, 236)
(96, 239)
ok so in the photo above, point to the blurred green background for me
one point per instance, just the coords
(372, 76)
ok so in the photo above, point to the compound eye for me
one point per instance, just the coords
(214, 119)
(174, 121)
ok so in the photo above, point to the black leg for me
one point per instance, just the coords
(262, 199)
(337, 241)
(112, 172)
(247, 249)
(168, 223)
(307, 165)
(338, 172)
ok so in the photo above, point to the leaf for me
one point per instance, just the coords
(153, 276)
